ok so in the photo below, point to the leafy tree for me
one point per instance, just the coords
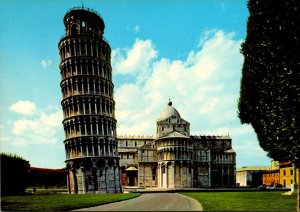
(270, 91)
(14, 174)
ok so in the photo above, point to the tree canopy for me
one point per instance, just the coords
(270, 91)
(14, 174)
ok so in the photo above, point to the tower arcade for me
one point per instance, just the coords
(92, 161)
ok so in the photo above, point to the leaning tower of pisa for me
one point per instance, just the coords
(92, 162)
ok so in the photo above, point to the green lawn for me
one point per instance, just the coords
(59, 202)
(245, 201)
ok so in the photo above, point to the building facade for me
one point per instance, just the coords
(288, 174)
(250, 176)
(92, 160)
(174, 158)
(282, 174)
(271, 177)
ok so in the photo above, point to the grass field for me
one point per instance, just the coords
(245, 201)
(59, 202)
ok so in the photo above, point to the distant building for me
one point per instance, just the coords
(282, 174)
(271, 177)
(47, 178)
(174, 159)
(288, 174)
(250, 176)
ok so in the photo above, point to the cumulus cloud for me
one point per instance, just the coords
(203, 87)
(46, 62)
(24, 107)
(41, 130)
(135, 60)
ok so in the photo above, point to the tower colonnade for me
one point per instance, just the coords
(88, 105)
(86, 85)
(92, 161)
(86, 126)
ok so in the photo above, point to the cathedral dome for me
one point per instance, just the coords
(168, 112)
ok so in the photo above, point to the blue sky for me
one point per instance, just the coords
(184, 50)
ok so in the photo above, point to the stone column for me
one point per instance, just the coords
(172, 176)
(96, 111)
(83, 103)
(222, 176)
(83, 181)
(68, 181)
(159, 174)
(115, 178)
(80, 149)
(108, 146)
(107, 127)
(76, 149)
(93, 71)
(99, 151)
(74, 181)
(209, 174)
(181, 174)
(85, 128)
(91, 127)
(104, 149)
(93, 148)
(167, 175)
(187, 173)
(90, 106)
(102, 127)
(87, 148)
(106, 178)
(95, 180)
(97, 130)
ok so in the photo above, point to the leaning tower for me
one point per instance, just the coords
(92, 161)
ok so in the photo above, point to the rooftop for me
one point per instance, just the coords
(135, 137)
(253, 168)
(168, 112)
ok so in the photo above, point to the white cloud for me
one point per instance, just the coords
(137, 28)
(41, 130)
(46, 62)
(135, 60)
(24, 107)
(204, 87)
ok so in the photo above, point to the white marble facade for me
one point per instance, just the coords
(175, 159)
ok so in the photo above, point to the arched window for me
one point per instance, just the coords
(74, 29)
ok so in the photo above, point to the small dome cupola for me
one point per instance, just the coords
(168, 112)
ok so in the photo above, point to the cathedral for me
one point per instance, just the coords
(174, 158)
